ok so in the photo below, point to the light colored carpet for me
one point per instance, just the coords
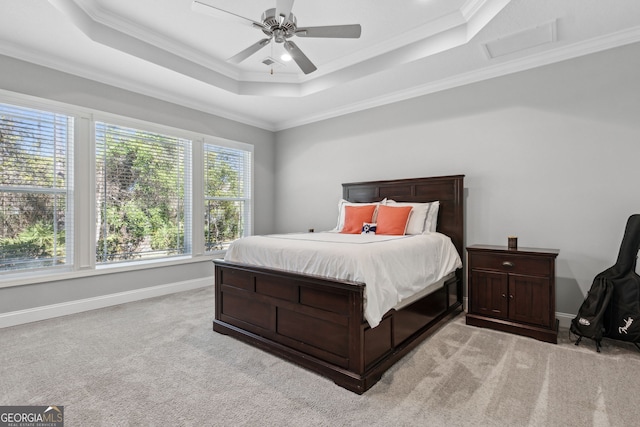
(157, 362)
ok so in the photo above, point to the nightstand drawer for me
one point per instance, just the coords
(511, 263)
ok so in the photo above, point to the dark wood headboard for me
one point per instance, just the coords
(449, 190)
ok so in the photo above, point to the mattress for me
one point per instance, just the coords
(428, 289)
(393, 268)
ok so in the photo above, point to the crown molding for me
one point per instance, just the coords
(562, 53)
(620, 38)
(44, 59)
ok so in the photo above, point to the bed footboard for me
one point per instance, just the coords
(318, 323)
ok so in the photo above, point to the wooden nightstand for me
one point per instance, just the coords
(513, 290)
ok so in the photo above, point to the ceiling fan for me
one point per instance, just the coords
(279, 25)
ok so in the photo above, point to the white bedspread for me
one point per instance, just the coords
(392, 267)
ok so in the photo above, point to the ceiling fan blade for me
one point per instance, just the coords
(303, 62)
(207, 9)
(241, 56)
(331, 31)
(283, 8)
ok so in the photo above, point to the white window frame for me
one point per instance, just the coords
(247, 220)
(34, 104)
(82, 195)
(188, 177)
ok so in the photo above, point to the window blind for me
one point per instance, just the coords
(35, 188)
(227, 198)
(142, 194)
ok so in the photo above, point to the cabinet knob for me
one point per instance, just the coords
(510, 296)
(504, 295)
(507, 263)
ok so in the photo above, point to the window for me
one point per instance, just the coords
(142, 194)
(35, 188)
(139, 191)
(227, 198)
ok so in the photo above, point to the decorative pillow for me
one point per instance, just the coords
(424, 216)
(369, 228)
(392, 219)
(344, 203)
(355, 216)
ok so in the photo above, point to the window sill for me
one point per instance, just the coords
(54, 275)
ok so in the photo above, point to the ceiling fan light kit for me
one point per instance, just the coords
(279, 25)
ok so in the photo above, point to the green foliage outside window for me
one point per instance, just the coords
(143, 192)
(140, 191)
(33, 170)
(226, 176)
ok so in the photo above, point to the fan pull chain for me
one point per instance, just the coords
(272, 59)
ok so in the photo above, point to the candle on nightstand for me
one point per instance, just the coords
(513, 242)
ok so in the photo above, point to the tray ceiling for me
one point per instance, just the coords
(171, 50)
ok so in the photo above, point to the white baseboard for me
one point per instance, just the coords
(565, 319)
(20, 317)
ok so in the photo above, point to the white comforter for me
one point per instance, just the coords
(392, 267)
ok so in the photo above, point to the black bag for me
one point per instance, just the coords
(590, 319)
(622, 319)
(612, 306)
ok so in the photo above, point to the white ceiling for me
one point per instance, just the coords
(169, 50)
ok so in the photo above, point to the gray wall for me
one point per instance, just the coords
(22, 77)
(550, 155)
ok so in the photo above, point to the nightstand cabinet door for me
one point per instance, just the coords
(489, 296)
(512, 290)
(529, 299)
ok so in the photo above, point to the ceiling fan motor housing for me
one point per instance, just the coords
(280, 27)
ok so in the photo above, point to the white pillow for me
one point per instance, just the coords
(423, 218)
(342, 203)
(432, 218)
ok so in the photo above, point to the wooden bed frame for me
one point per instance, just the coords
(318, 323)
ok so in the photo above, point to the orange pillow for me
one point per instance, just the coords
(355, 216)
(393, 220)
